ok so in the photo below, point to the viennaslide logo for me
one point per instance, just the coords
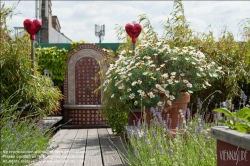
(234, 155)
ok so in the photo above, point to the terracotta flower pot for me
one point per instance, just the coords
(173, 112)
(136, 116)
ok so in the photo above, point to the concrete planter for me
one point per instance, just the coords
(233, 147)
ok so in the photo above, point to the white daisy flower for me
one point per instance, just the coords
(215, 75)
(151, 94)
(132, 95)
(165, 75)
(170, 81)
(121, 87)
(171, 97)
(189, 85)
(141, 92)
(204, 86)
(169, 102)
(173, 73)
(134, 83)
(185, 81)
(153, 65)
(162, 65)
(207, 84)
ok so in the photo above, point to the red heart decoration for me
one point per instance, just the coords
(32, 27)
(133, 30)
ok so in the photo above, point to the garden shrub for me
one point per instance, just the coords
(22, 140)
(16, 75)
(54, 60)
(158, 145)
(233, 56)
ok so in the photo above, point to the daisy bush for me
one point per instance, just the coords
(158, 71)
(156, 75)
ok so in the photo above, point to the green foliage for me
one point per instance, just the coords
(156, 74)
(239, 120)
(53, 60)
(157, 145)
(22, 139)
(176, 27)
(74, 45)
(5, 14)
(231, 55)
(115, 112)
(16, 75)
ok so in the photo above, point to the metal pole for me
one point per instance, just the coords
(32, 55)
(134, 49)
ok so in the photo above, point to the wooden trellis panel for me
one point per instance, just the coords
(82, 117)
(81, 104)
(87, 69)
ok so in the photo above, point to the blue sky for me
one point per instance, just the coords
(77, 18)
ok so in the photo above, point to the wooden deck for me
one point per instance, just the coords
(84, 147)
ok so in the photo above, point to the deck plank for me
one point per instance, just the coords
(93, 152)
(84, 147)
(109, 152)
(120, 145)
(53, 145)
(77, 151)
(58, 156)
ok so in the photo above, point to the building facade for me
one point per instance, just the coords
(50, 31)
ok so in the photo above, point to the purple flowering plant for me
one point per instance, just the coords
(21, 138)
(191, 144)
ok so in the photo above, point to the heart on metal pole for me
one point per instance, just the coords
(32, 27)
(133, 30)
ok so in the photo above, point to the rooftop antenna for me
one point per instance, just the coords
(38, 10)
(100, 32)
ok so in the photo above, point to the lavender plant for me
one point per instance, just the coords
(22, 139)
(158, 145)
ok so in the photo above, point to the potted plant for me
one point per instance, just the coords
(233, 138)
(158, 75)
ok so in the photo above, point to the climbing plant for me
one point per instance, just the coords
(74, 45)
(53, 60)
